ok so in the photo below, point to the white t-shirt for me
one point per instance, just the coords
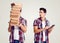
(16, 33)
(43, 26)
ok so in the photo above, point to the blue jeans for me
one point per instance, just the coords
(16, 41)
(44, 42)
(38, 42)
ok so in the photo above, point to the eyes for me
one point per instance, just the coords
(41, 11)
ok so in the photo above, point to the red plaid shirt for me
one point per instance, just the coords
(38, 37)
(21, 33)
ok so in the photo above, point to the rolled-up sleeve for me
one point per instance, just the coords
(35, 23)
(24, 22)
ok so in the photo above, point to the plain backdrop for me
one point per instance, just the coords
(30, 11)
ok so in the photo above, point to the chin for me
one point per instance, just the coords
(41, 16)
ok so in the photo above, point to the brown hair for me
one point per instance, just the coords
(12, 4)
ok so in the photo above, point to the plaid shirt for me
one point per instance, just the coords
(21, 33)
(38, 37)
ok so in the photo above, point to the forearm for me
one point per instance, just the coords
(23, 28)
(49, 30)
(38, 30)
(9, 29)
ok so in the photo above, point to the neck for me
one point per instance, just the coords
(43, 18)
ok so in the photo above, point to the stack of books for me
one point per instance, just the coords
(15, 14)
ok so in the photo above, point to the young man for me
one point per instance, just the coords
(41, 28)
(17, 31)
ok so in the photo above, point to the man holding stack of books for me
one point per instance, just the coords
(17, 24)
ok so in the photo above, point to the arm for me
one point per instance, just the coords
(9, 28)
(36, 30)
(50, 28)
(23, 27)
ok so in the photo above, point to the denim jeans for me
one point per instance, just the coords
(38, 42)
(44, 42)
(16, 41)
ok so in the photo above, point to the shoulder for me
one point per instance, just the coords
(23, 19)
(37, 20)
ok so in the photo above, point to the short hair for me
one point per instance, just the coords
(43, 10)
(12, 4)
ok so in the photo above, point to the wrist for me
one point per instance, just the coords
(20, 25)
(42, 29)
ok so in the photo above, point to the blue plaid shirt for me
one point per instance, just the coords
(38, 37)
(21, 33)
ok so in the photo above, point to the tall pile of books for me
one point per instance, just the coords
(15, 13)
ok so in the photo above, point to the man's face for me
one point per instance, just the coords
(41, 13)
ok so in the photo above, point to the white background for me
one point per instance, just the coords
(30, 12)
